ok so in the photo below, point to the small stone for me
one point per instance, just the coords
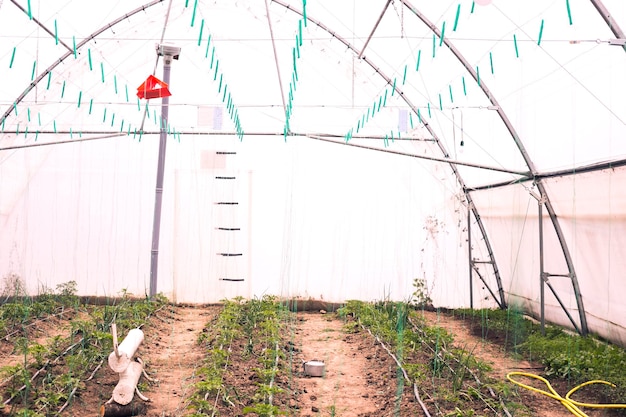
(315, 409)
(313, 398)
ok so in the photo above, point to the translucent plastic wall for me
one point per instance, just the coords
(361, 138)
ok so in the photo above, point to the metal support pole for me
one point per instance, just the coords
(469, 255)
(158, 198)
(541, 271)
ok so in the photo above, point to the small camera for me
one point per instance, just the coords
(168, 50)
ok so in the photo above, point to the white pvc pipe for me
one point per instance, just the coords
(119, 361)
(115, 341)
(124, 391)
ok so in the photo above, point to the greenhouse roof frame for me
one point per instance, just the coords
(532, 174)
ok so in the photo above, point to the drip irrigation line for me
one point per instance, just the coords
(271, 396)
(69, 398)
(406, 376)
(469, 370)
(34, 323)
(217, 394)
(43, 368)
(443, 349)
(506, 411)
(93, 373)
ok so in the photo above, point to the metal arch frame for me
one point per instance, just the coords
(544, 200)
(471, 206)
(602, 10)
(79, 45)
(608, 19)
(48, 31)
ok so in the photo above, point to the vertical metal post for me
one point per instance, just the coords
(469, 250)
(541, 270)
(158, 198)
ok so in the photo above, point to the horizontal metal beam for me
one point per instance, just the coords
(429, 158)
(103, 134)
(600, 166)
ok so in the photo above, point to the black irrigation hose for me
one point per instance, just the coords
(406, 376)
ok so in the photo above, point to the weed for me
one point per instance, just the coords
(421, 294)
(564, 355)
(264, 410)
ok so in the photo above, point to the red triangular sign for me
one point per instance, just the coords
(153, 88)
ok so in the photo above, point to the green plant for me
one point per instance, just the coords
(428, 354)
(67, 294)
(38, 352)
(55, 370)
(13, 286)
(28, 413)
(421, 294)
(564, 355)
(264, 410)
(461, 413)
(257, 323)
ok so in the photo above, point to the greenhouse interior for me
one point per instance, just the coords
(313, 208)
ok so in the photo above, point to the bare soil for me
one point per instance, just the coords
(360, 379)
(171, 355)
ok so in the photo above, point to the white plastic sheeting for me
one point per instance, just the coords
(504, 88)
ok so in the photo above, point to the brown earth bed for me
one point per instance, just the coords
(361, 378)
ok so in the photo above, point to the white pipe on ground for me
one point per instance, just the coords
(115, 342)
(120, 360)
(124, 391)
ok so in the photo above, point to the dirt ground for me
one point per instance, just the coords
(502, 363)
(360, 378)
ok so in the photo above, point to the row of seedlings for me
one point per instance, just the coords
(445, 379)
(54, 369)
(243, 343)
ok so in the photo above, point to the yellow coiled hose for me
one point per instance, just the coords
(570, 404)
